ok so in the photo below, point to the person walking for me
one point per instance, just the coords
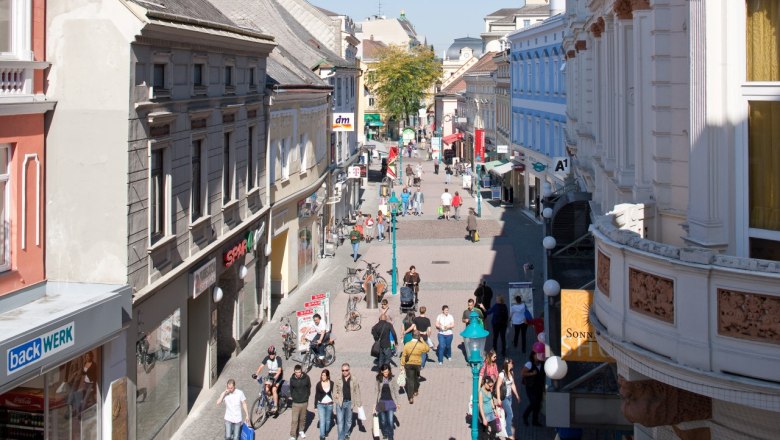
(355, 237)
(471, 225)
(436, 166)
(384, 310)
(423, 325)
(457, 201)
(323, 402)
(381, 224)
(419, 200)
(411, 360)
(300, 390)
(534, 378)
(519, 313)
(235, 401)
(507, 394)
(408, 324)
(487, 408)
(447, 175)
(412, 281)
(467, 313)
(369, 234)
(499, 321)
(382, 331)
(409, 175)
(387, 402)
(446, 201)
(346, 395)
(418, 172)
(490, 367)
(483, 295)
(444, 324)
(405, 196)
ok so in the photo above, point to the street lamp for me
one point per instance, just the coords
(392, 204)
(474, 337)
(401, 159)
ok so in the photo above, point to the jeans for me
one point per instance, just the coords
(298, 422)
(385, 356)
(380, 231)
(509, 415)
(405, 208)
(232, 430)
(447, 177)
(355, 247)
(344, 419)
(522, 328)
(412, 380)
(445, 347)
(386, 424)
(418, 207)
(325, 414)
(457, 212)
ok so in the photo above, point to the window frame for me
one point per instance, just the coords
(5, 176)
(159, 235)
(251, 159)
(228, 168)
(202, 184)
(20, 29)
(284, 158)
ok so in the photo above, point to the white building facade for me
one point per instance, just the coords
(682, 173)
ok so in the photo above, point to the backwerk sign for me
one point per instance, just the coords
(39, 348)
(578, 337)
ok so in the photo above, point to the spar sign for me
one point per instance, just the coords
(37, 349)
(343, 122)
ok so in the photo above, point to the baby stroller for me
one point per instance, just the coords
(416, 182)
(407, 300)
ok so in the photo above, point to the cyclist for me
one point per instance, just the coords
(318, 336)
(274, 375)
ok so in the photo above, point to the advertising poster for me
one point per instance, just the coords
(305, 322)
(578, 337)
(325, 299)
(525, 291)
(479, 145)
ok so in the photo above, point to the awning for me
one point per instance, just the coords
(503, 169)
(450, 138)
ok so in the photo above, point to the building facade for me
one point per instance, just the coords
(680, 167)
(500, 23)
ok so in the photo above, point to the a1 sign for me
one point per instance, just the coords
(561, 165)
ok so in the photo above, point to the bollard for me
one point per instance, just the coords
(371, 302)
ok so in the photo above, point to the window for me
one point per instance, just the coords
(158, 182)
(252, 77)
(198, 196)
(228, 76)
(339, 92)
(72, 391)
(526, 23)
(5, 227)
(6, 23)
(284, 155)
(304, 152)
(158, 76)
(371, 101)
(197, 75)
(15, 29)
(227, 171)
(250, 159)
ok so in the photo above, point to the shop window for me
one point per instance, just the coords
(5, 226)
(158, 376)
(248, 299)
(763, 161)
(763, 40)
(74, 398)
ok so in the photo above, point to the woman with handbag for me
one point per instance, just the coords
(323, 401)
(487, 409)
(386, 402)
(489, 368)
(506, 389)
(411, 360)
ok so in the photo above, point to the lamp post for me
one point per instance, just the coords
(401, 159)
(392, 204)
(474, 337)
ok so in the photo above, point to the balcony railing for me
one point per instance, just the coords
(17, 80)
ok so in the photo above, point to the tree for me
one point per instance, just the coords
(402, 78)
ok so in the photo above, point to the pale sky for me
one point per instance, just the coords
(440, 21)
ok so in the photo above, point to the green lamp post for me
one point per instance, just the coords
(392, 205)
(474, 337)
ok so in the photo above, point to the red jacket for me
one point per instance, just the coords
(457, 201)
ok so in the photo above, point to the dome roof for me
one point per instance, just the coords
(453, 53)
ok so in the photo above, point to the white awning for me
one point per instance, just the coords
(503, 168)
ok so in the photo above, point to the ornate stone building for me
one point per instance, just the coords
(672, 120)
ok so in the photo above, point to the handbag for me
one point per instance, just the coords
(501, 419)
(401, 381)
(406, 358)
(440, 211)
(376, 348)
(476, 236)
(247, 433)
(376, 431)
(361, 413)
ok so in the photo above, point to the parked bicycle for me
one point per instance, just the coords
(307, 357)
(353, 282)
(353, 318)
(372, 276)
(289, 337)
(264, 406)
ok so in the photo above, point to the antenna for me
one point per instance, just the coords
(380, 7)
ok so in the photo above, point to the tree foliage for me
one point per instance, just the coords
(402, 78)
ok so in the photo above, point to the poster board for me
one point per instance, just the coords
(305, 322)
(320, 303)
(525, 290)
(495, 192)
(466, 181)
(578, 336)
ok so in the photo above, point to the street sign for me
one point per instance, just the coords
(561, 165)
(353, 172)
(502, 149)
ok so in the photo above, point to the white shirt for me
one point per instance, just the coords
(233, 406)
(316, 329)
(518, 313)
(446, 199)
(445, 321)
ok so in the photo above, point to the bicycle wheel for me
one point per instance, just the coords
(352, 284)
(380, 285)
(259, 414)
(353, 321)
(307, 362)
(330, 355)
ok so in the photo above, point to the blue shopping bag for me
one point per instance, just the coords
(247, 433)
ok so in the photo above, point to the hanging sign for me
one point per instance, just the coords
(578, 336)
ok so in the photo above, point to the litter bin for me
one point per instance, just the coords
(371, 302)
(384, 190)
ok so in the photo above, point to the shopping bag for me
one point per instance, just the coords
(440, 211)
(401, 380)
(247, 433)
(502, 422)
(376, 431)
(361, 413)
(476, 236)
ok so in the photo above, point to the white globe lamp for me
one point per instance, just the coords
(547, 212)
(555, 367)
(217, 294)
(551, 288)
(549, 242)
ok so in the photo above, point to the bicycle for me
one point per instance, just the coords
(372, 276)
(145, 359)
(263, 406)
(353, 318)
(289, 337)
(353, 282)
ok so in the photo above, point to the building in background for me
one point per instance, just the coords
(506, 20)
(478, 106)
(390, 31)
(672, 127)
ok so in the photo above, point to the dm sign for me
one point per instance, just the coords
(343, 122)
(37, 349)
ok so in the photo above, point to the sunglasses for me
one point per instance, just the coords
(345, 371)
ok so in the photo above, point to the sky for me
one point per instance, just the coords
(440, 21)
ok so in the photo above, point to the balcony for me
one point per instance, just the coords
(690, 317)
(18, 89)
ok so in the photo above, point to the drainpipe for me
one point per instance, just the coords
(267, 103)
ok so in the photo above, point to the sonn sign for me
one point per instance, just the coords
(343, 122)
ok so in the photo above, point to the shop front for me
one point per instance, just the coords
(310, 232)
(63, 354)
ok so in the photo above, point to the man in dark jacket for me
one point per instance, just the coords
(300, 390)
(500, 322)
(483, 295)
(382, 331)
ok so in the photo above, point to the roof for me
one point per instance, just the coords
(371, 49)
(458, 86)
(453, 52)
(198, 9)
(503, 12)
(285, 70)
(327, 12)
(484, 64)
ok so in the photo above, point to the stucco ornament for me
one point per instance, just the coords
(651, 403)
(602, 273)
(622, 9)
(749, 316)
(651, 295)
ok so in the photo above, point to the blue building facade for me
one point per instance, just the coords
(538, 90)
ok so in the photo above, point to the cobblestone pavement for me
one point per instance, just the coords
(450, 269)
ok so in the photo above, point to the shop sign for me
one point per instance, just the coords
(479, 145)
(578, 336)
(502, 149)
(37, 349)
(309, 206)
(320, 303)
(353, 172)
(519, 167)
(343, 122)
(240, 249)
(204, 277)
(539, 167)
(561, 165)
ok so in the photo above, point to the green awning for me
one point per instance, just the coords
(376, 124)
(490, 165)
(368, 117)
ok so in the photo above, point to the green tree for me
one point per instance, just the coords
(402, 78)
